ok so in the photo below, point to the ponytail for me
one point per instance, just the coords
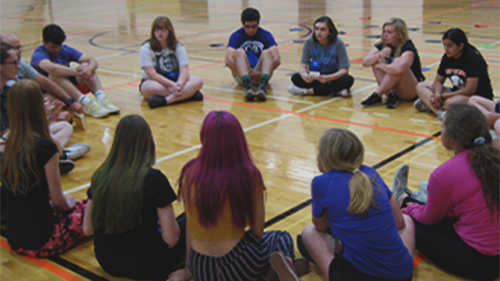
(361, 190)
(484, 160)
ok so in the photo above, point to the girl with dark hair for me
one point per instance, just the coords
(324, 67)
(42, 222)
(458, 228)
(396, 65)
(358, 231)
(130, 208)
(223, 192)
(165, 71)
(467, 70)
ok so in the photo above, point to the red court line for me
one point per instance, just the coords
(323, 118)
(122, 84)
(45, 264)
(417, 260)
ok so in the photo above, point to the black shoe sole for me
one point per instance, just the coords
(155, 102)
(66, 166)
(302, 249)
(391, 106)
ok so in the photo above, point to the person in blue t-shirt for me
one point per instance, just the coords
(252, 55)
(324, 67)
(358, 231)
(52, 59)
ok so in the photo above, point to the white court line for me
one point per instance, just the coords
(346, 108)
(380, 114)
(245, 130)
(418, 120)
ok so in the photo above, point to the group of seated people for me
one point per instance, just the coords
(361, 229)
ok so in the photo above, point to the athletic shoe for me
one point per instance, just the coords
(373, 100)
(95, 109)
(157, 101)
(303, 250)
(261, 92)
(109, 106)
(66, 166)
(294, 90)
(198, 96)
(249, 93)
(75, 151)
(400, 181)
(392, 100)
(283, 267)
(421, 106)
(441, 115)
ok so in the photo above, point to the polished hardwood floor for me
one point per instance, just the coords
(282, 132)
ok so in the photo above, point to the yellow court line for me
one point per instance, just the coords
(411, 159)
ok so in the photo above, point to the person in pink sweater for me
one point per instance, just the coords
(458, 228)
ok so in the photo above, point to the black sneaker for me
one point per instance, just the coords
(392, 100)
(198, 96)
(302, 249)
(372, 100)
(66, 166)
(157, 101)
(249, 93)
(262, 92)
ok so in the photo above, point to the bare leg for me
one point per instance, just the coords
(67, 86)
(405, 87)
(152, 88)
(459, 99)
(424, 92)
(61, 132)
(408, 234)
(485, 105)
(321, 247)
(241, 61)
(379, 75)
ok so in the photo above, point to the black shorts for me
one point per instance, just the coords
(342, 270)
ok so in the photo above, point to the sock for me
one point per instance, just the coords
(84, 100)
(264, 79)
(99, 95)
(246, 80)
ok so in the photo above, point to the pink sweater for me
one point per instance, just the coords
(455, 191)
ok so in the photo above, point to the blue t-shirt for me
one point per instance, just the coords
(64, 57)
(332, 57)
(371, 243)
(261, 40)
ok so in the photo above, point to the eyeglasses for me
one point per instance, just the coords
(160, 30)
(16, 62)
(19, 48)
(251, 26)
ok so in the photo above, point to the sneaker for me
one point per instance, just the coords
(392, 100)
(75, 151)
(400, 181)
(261, 92)
(344, 93)
(66, 166)
(109, 106)
(423, 185)
(294, 90)
(198, 96)
(420, 196)
(372, 100)
(441, 115)
(421, 106)
(283, 267)
(303, 250)
(157, 101)
(95, 109)
(249, 93)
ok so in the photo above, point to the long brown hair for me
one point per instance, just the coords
(162, 22)
(28, 122)
(117, 185)
(340, 149)
(466, 125)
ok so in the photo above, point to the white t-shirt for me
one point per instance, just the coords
(164, 60)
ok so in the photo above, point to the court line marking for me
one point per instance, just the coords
(269, 97)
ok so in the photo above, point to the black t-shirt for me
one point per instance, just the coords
(416, 66)
(469, 65)
(140, 251)
(30, 219)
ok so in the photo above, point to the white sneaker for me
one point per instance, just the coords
(109, 106)
(75, 151)
(441, 115)
(96, 110)
(294, 90)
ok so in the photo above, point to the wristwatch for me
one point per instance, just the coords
(70, 101)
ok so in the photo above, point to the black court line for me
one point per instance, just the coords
(380, 164)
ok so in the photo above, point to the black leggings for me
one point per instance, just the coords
(441, 244)
(324, 89)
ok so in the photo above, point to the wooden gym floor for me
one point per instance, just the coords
(283, 131)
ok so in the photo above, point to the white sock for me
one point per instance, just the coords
(99, 95)
(84, 100)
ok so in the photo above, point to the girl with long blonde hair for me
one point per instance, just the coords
(352, 207)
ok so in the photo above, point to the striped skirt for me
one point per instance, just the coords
(246, 261)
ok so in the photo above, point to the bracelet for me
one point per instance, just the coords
(70, 101)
